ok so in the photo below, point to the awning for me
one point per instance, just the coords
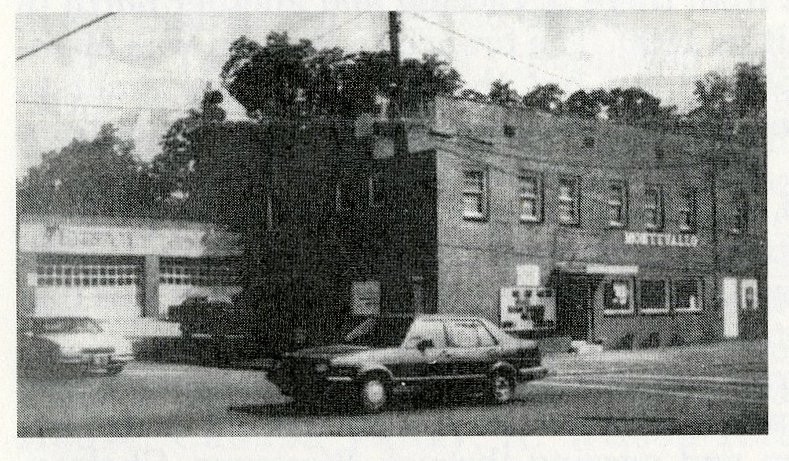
(575, 267)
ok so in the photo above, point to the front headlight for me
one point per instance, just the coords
(70, 351)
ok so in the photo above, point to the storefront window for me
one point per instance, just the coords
(653, 296)
(618, 297)
(687, 295)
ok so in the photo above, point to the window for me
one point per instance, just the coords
(568, 200)
(475, 198)
(426, 329)
(376, 190)
(343, 196)
(687, 210)
(617, 297)
(617, 204)
(686, 295)
(739, 223)
(78, 272)
(750, 298)
(198, 272)
(469, 334)
(530, 196)
(653, 207)
(653, 296)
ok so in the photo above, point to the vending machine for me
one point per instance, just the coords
(527, 308)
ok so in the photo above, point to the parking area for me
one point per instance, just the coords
(707, 389)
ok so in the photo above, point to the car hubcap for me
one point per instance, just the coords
(502, 389)
(374, 393)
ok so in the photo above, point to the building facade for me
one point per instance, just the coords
(120, 269)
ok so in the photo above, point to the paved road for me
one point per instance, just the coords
(719, 389)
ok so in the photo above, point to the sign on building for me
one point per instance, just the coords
(366, 297)
(660, 239)
(525, 308)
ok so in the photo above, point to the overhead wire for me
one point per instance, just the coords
(67, 34)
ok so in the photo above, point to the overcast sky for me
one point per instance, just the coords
(155, 66)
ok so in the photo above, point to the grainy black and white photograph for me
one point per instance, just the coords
(391, 223)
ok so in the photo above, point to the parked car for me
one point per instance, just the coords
(390, 355)
(216, 316)
(76, 344)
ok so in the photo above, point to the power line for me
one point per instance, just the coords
(493, 49)
(96, 106)
(338, 27)
(55, 40)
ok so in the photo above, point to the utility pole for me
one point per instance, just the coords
(394, 53)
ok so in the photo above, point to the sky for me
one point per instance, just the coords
(148, 69)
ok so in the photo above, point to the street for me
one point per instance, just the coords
(707, 389)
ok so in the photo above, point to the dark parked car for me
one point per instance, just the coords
(389, 355)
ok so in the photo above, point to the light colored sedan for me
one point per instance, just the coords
(75, 344)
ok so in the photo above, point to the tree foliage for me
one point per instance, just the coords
(283, 79)
(503, 93)
(96, 177)
(546, 97)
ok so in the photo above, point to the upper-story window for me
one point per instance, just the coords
(653, 207)
(475, 194)
(569, 199)
(617, 204)
(687, 210)
(376, 190)
(739, 223)
(530, 196)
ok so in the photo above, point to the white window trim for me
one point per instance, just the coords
(659, 208)
(615, 312)
(699, 295)
(622, 203)
(537, 196)
(666, 298)
(481, 193)
(689, 208)
(574, 200)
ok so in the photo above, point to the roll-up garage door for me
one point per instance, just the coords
(102, 288)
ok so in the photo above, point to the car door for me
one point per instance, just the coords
(472, 349)
(428, 365)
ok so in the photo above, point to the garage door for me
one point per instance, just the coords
(102, 289)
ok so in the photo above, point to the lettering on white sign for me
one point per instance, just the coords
(661, 239)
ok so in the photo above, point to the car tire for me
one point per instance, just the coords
(114, 370)
(373, 394)
(501, 388)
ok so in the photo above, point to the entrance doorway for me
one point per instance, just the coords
(574, 307)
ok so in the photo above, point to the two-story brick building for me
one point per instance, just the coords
(617, 221)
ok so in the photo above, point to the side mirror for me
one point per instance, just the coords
(424, 344)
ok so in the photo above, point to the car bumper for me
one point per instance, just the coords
(532, 373)
(312, 386)
(96, 360)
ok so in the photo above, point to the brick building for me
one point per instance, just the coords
(617, 221)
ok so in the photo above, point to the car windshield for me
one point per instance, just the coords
(65, 325)
(379, 332)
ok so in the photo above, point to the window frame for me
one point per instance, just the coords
(666, 297)
(688, 208)
(451, 344)
(740, 218)
(623, 203)
(657, 208)
(482, 194)
(631, 301)
(575, 201)
(699, 282)
(537, 195)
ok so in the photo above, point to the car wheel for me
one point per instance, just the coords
(114, 370)
(373, 394)
(501, 388)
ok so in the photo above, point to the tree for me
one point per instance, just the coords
(750, 89)
(473, 95)
(283, 79)
(503, 93)
(97, 177)
(546, 97)
(581, 104)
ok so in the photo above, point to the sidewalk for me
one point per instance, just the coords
(745, 355)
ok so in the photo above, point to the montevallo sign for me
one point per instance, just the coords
(661, 239)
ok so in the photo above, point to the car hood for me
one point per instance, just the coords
(326, 352)
(88, 341)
